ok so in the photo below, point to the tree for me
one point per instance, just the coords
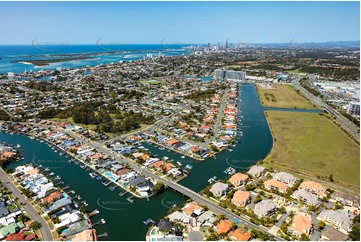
(304, 237)
(35, 225)
(321, 225)
(331, 178)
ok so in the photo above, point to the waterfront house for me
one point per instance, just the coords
(273, 184)
(257, 171)
(219, 189)
(306, 197)
(301, 224)
(265, 208)
(85, 235)
(239, 235)
(223, 226)
(241, 198)
(77, 227)
(340, 219)
(192, 207)
(52, 197)
(238, 179)
(314, 187)
(286, 178)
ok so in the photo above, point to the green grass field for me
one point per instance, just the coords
(310, 144)
(151, 82)
(285, 97)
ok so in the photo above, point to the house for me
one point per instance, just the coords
(20, 237)
(11, 229)
(340, 219)
(301, 224)
(77, 228)
(346, 199)
(313, 187)
(264, 208)
(52, 197)
(3, 209)
(223, 226)
(86, 235)
(238, 179)
(241, 198)
(306, 197)
(219, 189)
(192, 207)
(239, 235)
(273, 184)
(286, 178)
(257, 171)
(331, 234)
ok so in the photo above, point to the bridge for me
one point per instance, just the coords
(212, 205)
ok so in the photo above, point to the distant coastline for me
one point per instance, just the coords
(45, 62)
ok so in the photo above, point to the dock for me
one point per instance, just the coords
(130, 199)
(122, 193)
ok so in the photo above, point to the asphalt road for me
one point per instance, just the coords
(44, 229)
(175, 186)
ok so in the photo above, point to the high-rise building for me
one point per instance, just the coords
(353, 109)
(229, 75)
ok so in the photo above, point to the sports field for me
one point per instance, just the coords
(312, 145)
(283, 96)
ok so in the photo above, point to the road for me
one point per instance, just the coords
(350, 127)
(219, 116)
(175, 186)
(44, 229)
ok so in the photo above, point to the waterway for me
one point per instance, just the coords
(125, 219)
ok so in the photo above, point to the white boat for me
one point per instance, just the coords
(92, 175)
(18, 146)
(189, 167)
(183, 157)
(179, 163)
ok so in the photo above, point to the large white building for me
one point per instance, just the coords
(353, 109)
(229, 75)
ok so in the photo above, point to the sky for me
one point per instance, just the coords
(177, 22)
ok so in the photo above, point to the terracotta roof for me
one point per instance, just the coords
(86, 235)
(240, 197)
(191, 207)
(239, 235)
(301, 224)
(238, 177)
(223, 226)
(313, 186)
(276, 184)
(122, 171)
(172, 141)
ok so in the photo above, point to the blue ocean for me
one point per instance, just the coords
(13, 58)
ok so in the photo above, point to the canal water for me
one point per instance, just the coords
(124, 220)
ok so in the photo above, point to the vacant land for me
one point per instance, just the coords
(310, 144)
(283, 96)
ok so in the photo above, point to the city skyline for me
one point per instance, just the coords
(61, 23)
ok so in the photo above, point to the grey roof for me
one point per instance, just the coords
(339, 217)
(218, 187)
(60, 203)
(137, 181)
(264, 207)
(207, 216)
(346, 197)
(333, 234)
(306, 196)
(3, 209)
(256, 170)
(285, 177)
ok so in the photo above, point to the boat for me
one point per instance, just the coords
(47, 169)
(165, 158)
(58, 177)
(230, 149)
(95, 212)
(189, 167)
(179, 163)
(183, 157)
(112, 188)
(99, 177)
(102, 221)
(18, 146)
(212, 179)
(51, 174)
(92, 175)
(82, 166)
(148, 221)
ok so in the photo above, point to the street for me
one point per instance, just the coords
(44, 229)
